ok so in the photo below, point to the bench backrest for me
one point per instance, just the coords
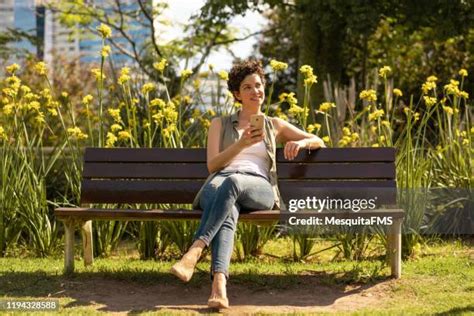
(159, 175)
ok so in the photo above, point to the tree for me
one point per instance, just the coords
(331, 33)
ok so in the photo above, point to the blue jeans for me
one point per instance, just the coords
(222, 199)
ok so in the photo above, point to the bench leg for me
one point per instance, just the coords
(87, 244)
(395, 247)
(68, 246)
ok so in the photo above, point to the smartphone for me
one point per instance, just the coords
(256, 121)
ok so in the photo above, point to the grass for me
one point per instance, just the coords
(439, 279)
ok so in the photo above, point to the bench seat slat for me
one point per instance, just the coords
(263, 215)
(173, 155)
(199, 171)
(153, 191)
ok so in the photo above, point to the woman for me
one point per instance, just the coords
(241, 161)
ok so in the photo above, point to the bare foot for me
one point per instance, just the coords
(184, 268)
(218, 298)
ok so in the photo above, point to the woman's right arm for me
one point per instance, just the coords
(218, 160)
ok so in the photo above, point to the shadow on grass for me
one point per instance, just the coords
(141, 291)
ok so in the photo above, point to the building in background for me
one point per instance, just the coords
(49, 38)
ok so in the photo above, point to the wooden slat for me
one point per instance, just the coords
(263, 215)
(336, 171)
(123, 191)
(199, 171)
(362, 154)
(172, 191)
(172, 155)
(145, 170)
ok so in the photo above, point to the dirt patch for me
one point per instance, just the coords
(122, 297)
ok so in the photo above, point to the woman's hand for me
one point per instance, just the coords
(251, 136)
(292, 148)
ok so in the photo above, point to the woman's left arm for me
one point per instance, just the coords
(294, 138)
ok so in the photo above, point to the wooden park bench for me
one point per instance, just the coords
(158, 175)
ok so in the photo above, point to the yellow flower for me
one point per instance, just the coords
(342, 142)
(211, 112)
(452, 87)
(12, 68)
(76, 133)
(8, 109)
(376, 114)
(432, 79)
(148, 87)
(53, 112)
(294, 110)
(105, 51)
(397, 92)
(64, 94)
(186, 73)
(326, 139)
(87, 99)
(187, 100)
(386, 123)
(346, 131)
(170, 114)
(373, 129)
(463, 72)
(115, 114)
(123, 78)
(382, 139)
(354, 137)
(310, 80)
(465, 141)
(277, 65)
(288, 97)
(205, 123)
(34, 105)
(368, 95)
(157, 117)
(26, 90)
(416, 116)
(237, 105)
(97, 73)
(384, 71)
(111, 140)
(306, 70)
(406, 110)
(104, 31)
(464, 94)
(116, 127)
(40, 68)
(197, 84)
(166, 132)
(428, 86)
(310, 128)
(160, 66)
(124, 135)
(196, 113)
(448, 110)
(158, 102)
(2, 133)
(326, 106)
(430, 101)
(223, 75)
(472, 130)
(375, 145)
(39, 120)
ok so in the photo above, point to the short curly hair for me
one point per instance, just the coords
(242, 69)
